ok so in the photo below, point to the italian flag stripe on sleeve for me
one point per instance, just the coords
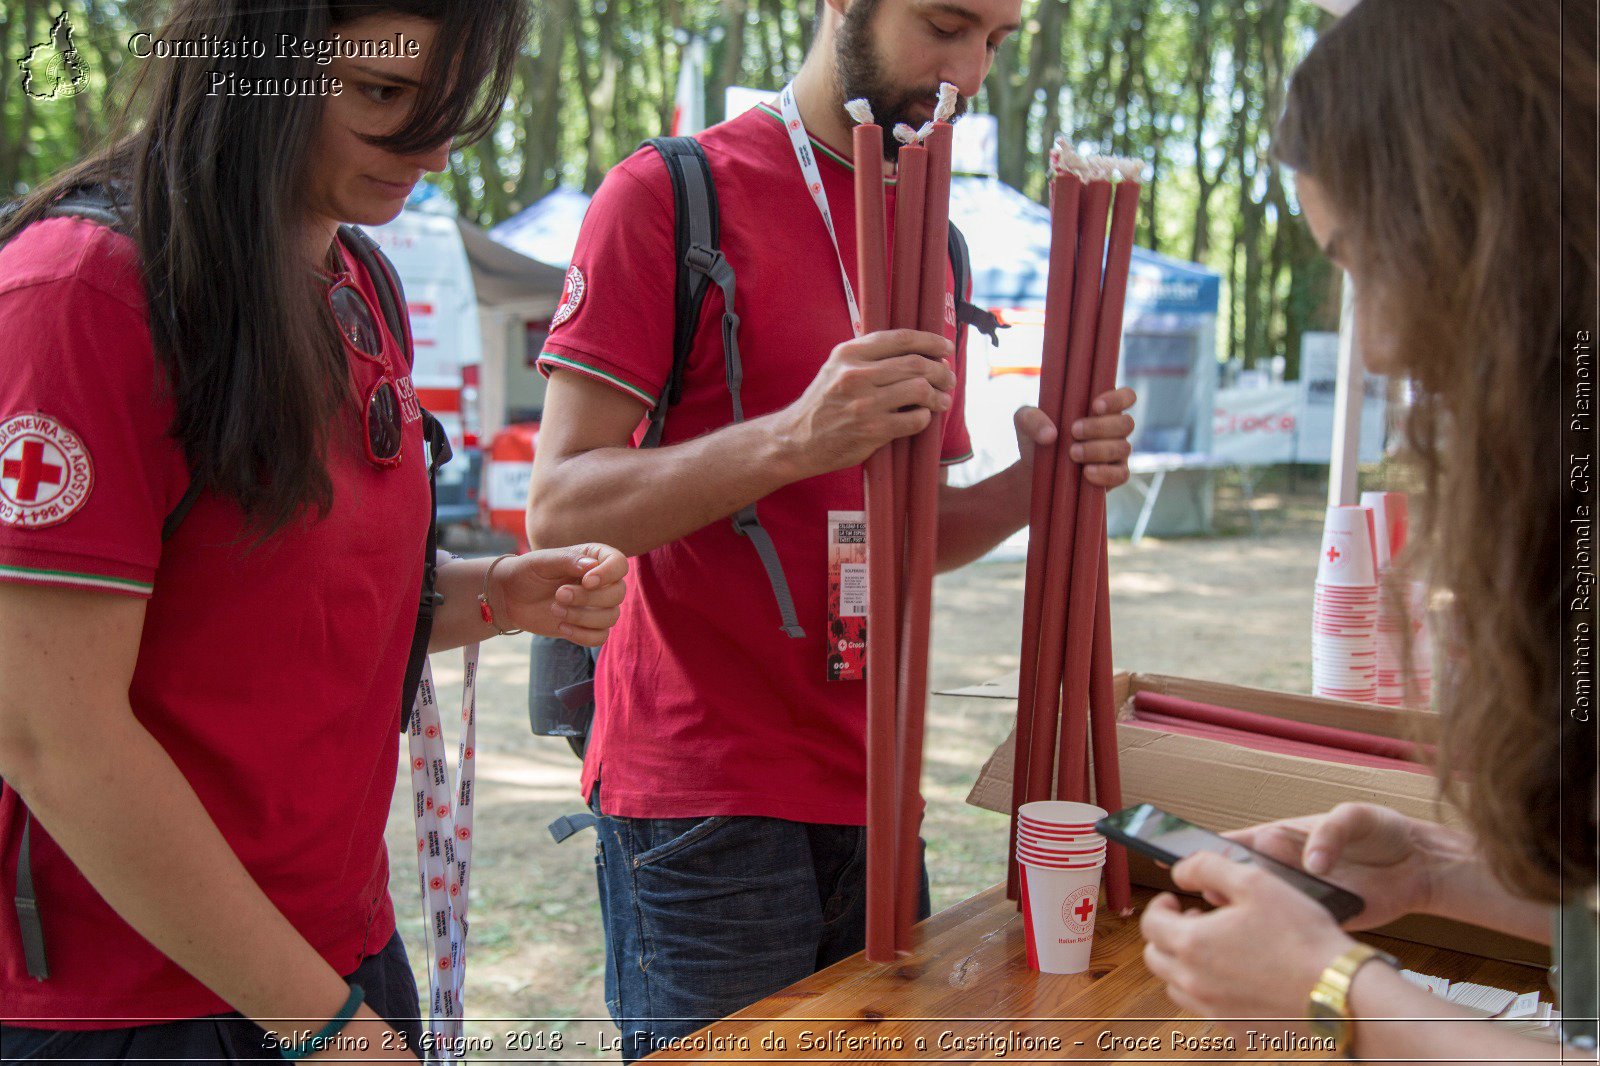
(565, 363)
(68, 578)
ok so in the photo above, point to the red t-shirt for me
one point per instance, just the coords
(269, 672)
(705, 707)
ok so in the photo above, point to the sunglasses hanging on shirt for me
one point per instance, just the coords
(358, 328)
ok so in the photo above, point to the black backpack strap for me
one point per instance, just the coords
(700, 264)
(438, 455)
(967, 312)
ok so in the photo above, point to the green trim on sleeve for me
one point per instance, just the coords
(595, 372)
(68, 577)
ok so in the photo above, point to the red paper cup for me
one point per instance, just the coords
(1058, 914)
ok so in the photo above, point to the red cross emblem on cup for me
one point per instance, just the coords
(1334, 555)
(1077, 910)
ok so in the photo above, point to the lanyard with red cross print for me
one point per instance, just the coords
(444, 851)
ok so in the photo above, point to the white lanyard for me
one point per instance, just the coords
(819, 196)
(444, 851)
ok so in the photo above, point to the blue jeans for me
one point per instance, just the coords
(386, 979)
(705, 916)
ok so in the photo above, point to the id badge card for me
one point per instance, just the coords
(847, 595)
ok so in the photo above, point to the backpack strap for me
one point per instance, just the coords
(391, 297)
(967, 312)
(392, 302)
(700, 264)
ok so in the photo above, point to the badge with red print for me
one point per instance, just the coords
(46, 473)
(571, 296)
(1077, 910)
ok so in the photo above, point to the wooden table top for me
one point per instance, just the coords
(967, 995)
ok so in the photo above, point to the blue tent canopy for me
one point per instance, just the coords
(548, 229)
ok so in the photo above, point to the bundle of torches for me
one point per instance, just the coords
(1062, 681)
(1065, 702)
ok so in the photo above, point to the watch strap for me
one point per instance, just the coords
(1329, 1004)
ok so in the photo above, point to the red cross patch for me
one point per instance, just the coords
(571, 296)
(1077, 910)
(46, 473)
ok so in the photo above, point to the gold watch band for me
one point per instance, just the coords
(1329, 1006)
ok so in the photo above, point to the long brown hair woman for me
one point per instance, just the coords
(1445, 157)
(198, 723)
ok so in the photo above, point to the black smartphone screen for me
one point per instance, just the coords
(1168, 838)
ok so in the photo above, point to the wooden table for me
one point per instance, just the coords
(968, 995)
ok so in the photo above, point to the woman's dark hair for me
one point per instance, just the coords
(1455, 141)
(216, 184)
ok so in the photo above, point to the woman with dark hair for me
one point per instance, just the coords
(198, 724)
(1445, 156)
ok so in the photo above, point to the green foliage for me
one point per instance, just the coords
(1193, 87)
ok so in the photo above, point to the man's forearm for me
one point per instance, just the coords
(639, 499)
(973, 520)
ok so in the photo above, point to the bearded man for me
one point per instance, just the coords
(726, 767)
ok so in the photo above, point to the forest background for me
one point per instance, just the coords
(1193, 87)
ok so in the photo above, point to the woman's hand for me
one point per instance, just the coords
(573, 593)
(1389, 860)
(1257, 955)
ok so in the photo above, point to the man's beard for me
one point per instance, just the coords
(861, 77)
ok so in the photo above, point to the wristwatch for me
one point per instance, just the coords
(1329, 1005)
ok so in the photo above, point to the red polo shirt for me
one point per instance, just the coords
(270, 672)
(704, 706)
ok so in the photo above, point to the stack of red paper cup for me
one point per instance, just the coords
(1344, 631)
(1061, 857)
(1389, 532)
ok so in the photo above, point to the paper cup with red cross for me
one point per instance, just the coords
(1060, 902)
(1348, 559)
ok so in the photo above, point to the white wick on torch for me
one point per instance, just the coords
(906, 135)
(1064, 159)
(860, 110)
(947, 102)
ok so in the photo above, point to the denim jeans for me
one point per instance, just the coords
(386, 979)
(705, 916)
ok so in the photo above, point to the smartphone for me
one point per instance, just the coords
(1167, 838)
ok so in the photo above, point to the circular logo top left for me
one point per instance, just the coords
(46, 473)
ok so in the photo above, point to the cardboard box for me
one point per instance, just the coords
(1221, 786)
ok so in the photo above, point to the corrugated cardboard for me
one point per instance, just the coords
(1222, 786)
